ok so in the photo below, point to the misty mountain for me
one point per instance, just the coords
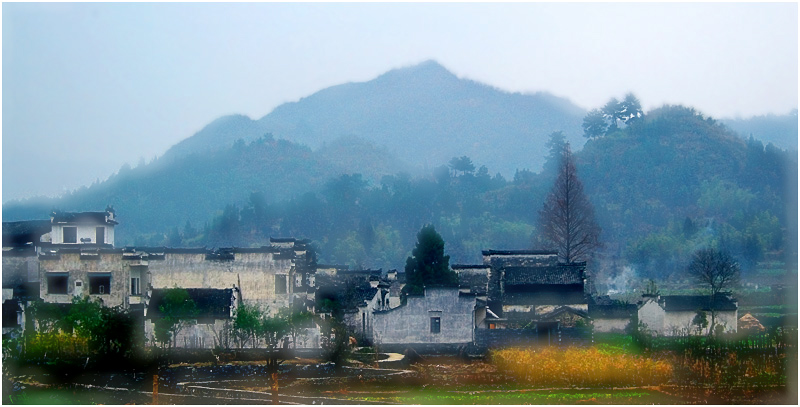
(780, 130)
(422, 114)
(170, 191)
(662, 187)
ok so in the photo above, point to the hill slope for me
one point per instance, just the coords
(173, 190)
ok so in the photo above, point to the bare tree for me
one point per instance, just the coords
(715, 269)
(567, 217)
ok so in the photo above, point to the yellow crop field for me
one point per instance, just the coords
(581, 367)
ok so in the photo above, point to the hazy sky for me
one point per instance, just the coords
(88, 87)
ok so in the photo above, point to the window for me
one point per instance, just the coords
(436, 325)
(100, 284)
(135, 290)
(280, 284)
(57, 283)
(100, 234)
(70, 234)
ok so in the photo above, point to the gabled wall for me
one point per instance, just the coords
(411, 323)
(652, 315)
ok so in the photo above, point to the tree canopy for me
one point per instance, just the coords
(176, 307)
(715, 269)
(428, 265)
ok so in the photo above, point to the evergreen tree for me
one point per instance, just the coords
(428, 264)
(594, 124)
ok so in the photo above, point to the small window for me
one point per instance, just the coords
(70, 234)
(57, 283)
(135, 290)
(436, 325)
(100, 285)
(100, 235)
(280, 284)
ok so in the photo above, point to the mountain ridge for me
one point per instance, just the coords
(421, 113)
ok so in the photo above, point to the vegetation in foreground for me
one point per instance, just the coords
(590, 367)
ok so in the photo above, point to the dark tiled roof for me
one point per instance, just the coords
(475, 281)
(612, 311)
(26, 227)
(567, 297)
(697, 303)
(469, 266)
(80, 217)
(282, 240)
(558, 274)
(519, 252)
(210, 302)
(561, 310)
(333, 266)
(25, 251)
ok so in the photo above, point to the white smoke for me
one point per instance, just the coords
(622, 282)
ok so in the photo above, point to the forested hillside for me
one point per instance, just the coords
(663, 185)
(676, 181)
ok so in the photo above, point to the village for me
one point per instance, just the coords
(74, 256)
(515, 298)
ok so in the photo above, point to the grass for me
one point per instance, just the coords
(556, 396)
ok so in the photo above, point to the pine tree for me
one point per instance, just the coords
(428, 264)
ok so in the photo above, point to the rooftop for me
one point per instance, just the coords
(557, 274)
(83, 217)
(520, 252)
(697, 303)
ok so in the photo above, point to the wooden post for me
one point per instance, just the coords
(275, 388)
(155, 389)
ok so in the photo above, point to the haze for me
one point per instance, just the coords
(88, 87)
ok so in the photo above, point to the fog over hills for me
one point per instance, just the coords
(780, 130)
(422, 114)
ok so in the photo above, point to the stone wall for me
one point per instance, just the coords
(253, 272)
(81, 268)
(20, 268)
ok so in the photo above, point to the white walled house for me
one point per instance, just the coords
(83, 227)
(673, 315)
(440, 317)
